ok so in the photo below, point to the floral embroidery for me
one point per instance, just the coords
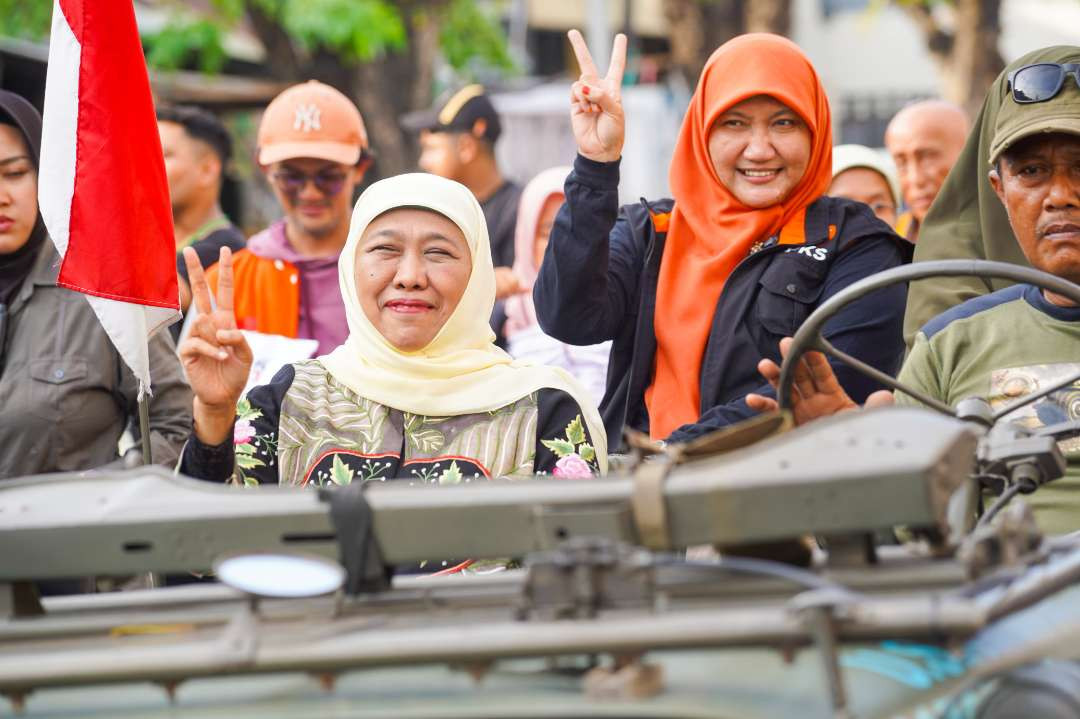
(577, 458)
(343, 467)
(451, 475)
(252, 450)
(572, 467)
(445, 470)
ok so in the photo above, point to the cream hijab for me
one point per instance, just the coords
(461, 371)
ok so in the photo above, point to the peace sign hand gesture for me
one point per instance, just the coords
(215, 355)
(596, 113)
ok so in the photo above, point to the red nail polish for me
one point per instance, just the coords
(585, 89)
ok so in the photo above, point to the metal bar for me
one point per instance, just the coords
(342, 644)
(144, 427)
(1028, 399)
(875, 374)
(1036, 584)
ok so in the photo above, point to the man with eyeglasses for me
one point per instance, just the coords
(1010, 343)
(313, 149)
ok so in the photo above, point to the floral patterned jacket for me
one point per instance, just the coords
(306, 428)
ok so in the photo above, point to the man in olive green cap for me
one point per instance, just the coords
(967, 221)
(1011, 342)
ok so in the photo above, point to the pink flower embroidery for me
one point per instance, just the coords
(572, 467)
(243, 432)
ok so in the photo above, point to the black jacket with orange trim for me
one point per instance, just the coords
(598, 282)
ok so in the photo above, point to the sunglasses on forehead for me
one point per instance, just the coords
(1042, 81)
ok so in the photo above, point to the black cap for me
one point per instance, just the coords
(459, 113)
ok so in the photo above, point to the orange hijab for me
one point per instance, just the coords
(710, 231)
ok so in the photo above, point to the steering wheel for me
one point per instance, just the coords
(809, 337)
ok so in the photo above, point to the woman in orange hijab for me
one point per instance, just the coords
(695, 291)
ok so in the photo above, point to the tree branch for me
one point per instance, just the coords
(938, 41)
(281, 55)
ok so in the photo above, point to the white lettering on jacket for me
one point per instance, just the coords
(814, 253)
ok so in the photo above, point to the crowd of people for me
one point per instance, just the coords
(467, 328)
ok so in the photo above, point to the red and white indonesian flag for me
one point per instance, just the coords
(102, 187)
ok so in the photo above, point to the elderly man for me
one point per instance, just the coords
(1006, 344)
(924, 140)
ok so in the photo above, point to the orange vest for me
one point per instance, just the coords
(907, 227)
(266, 296)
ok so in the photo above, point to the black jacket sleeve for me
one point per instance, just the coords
(870, 328)
(209, 247)
(562, 435)
(250, 454)
(587, 286)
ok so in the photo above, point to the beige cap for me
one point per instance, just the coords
(845, 157)
(311, 120)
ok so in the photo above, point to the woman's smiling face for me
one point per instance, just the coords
(760, 149)
(412, 268)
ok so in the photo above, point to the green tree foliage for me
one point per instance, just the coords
(356, 31)
(186, 43)
(468, 34)
(26, 19)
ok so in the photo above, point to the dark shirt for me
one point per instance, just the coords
(500, 212)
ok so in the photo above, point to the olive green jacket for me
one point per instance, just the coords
(66, 395)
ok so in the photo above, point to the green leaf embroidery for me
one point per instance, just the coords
(245, 448)
(244, 410)
(575, 432)
(426, 440)
(250, 482)
(452, 475)
(340, 473)
(586, 452)
(248, 461)
(560, 447)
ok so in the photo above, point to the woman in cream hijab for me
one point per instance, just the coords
(418, 391)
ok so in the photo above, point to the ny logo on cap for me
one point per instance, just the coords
(307, 118)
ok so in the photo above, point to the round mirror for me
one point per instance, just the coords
(285, 576)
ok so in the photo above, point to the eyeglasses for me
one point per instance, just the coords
(291, 182)
(1042, 81)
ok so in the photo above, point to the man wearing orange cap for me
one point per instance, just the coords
(313, 149)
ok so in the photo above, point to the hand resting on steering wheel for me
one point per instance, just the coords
(817, 391)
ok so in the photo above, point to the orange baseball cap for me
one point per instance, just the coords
(311, 120)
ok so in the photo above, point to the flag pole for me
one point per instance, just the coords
(144, 427)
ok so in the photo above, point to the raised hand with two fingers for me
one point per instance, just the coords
(215, 355)
(596, 112)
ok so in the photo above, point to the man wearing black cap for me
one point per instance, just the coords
(457, 141)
